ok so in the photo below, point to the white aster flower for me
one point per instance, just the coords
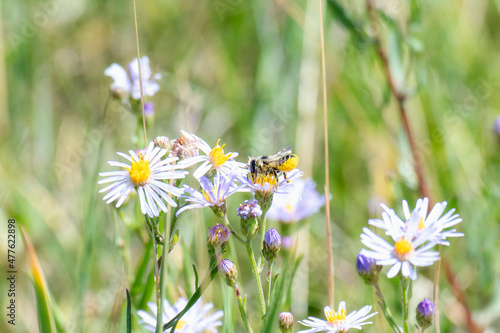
(194, 321)
(145, 174)
(391, 220)
(298, 204)
(411, 246)
(338, 321)
(212, 195)
(214, 159)
(128, 81)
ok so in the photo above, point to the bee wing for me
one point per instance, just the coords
(285, 150)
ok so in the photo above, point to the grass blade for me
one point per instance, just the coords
(46, 322)
(129, 314)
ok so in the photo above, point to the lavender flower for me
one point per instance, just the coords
(298, 204)
(128, 81)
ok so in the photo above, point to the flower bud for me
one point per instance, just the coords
(367, 269)
(271, 245)
(162, 142)
(185, 146)
(218, 236)
(286, 322)
(149, 109)
(425, 313)
(228, 269)
(248, 212)
(496, 126)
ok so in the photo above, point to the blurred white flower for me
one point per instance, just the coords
(194, 320)
(298, 204)
(128, 81)
(145, 174)
(338, 321)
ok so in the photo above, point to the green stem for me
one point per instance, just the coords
(243, 312)
(405, 283)
(269, 279)
(385, 309)
(175, 209)
(153, 230)
(163, 270)
(256, 275)
(262, 231)
(230, 227)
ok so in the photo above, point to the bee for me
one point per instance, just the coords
(282, 161)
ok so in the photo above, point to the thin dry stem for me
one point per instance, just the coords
(329, 249)
(140, 76)
(436, 291)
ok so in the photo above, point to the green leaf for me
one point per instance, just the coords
(129, 313)
(46, 322)
(195, 276)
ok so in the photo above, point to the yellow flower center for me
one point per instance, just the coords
(421, 225)
(289, 208)
(335, 319)
(262, 179)
(140, 171)
(403, 249)
(208, 197)
(180, 324)
(217, 156)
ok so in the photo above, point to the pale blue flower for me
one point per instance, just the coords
(212, 195)
(128, 80)
(298, 204)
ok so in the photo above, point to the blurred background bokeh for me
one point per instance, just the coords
(248, 72)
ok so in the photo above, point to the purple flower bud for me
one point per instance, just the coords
(286, 322)
(149, 109)
(367, 269)
(218, 235)
(425, 313)
(249, 211)
(228, 269)
(496, 126)
(271, 245)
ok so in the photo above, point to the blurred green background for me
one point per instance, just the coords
(249, 72)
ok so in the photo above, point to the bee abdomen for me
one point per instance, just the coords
(288, 162)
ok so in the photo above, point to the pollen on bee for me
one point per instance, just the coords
(289, 164)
